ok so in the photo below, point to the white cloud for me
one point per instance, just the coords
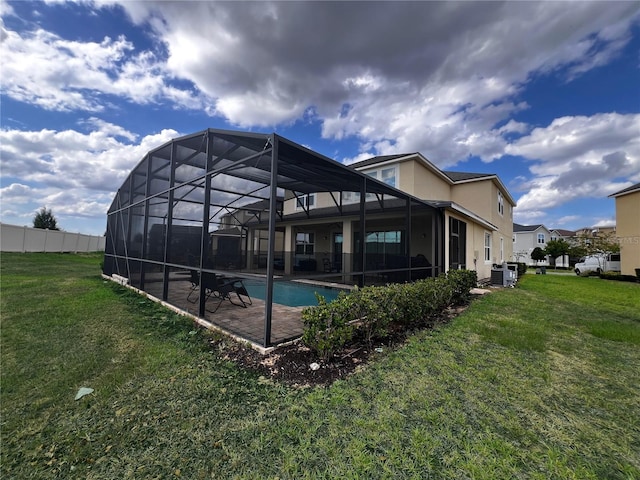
(605, 222)
(579, 157)
(73, 173)
(73, 75)
(434, 77)
(16, 193)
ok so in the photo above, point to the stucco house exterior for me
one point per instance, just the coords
(477, 208)
(628, 227)
(265, 209)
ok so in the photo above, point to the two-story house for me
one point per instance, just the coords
(473, 231)
(526, 238)
(208, 203)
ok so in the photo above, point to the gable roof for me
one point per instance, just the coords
(525, 228)
(465, 176)
(626, 191)
(447, 175)
(379, 159)
(563, 232)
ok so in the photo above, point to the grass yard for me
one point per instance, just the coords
(537, 382)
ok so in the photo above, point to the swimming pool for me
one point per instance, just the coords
(292, 294)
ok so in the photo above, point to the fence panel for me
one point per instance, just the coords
(24, 239)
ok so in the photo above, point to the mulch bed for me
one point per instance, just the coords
(293, 364)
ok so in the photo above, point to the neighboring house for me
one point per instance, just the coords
(594, 232)
(628, 228)
(477, 211)
(526, 238)
(561, 234)
(230, 242)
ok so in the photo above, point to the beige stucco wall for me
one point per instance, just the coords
(475, 246)
(322, 200)
(481, 197)
(418, 180)
(628, 231)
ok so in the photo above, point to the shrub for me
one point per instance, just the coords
(373, 308)
(618, 276)
(462, 281)
(522, 268)
(326, 328)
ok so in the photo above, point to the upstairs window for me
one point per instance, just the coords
(305, 201)
(500, 203)
(388, 175)
(541, 238)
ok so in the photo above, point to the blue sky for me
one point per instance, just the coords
(544, 94)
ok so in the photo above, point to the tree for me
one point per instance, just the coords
(538, 254)
(555, 248)
(45, 219)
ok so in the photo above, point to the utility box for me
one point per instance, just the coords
(504, 275)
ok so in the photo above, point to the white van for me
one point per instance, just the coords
(598, 263)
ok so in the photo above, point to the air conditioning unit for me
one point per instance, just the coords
(504, 275)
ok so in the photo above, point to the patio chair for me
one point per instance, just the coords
(328, 266)
(195, 283)
(223, 288)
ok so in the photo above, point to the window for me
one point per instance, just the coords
(388, 175)
(304, 244)
(553, 238)
(305, 201)
(457, 244)
(541, 238)
(500, 203)
(487, 247)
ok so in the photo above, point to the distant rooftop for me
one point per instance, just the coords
(525, 228)
(563, 232)
(631, 189)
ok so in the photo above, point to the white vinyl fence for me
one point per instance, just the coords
(26, 239)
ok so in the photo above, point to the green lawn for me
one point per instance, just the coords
(537, 382)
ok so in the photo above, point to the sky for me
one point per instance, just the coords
(544, 94)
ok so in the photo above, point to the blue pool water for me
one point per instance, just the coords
(291, 293)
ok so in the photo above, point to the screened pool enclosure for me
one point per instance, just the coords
(202, 215)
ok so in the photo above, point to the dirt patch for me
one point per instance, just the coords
(296, 365)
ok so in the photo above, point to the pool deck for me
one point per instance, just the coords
(244, 324)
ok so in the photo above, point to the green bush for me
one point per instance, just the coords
(326, 328)
(373, 308)
(462, 281)
(522, 268)
(372, 311)
(618, 276)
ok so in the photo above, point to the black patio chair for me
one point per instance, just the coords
(327, 266)
(224, 288)
(195, 283)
